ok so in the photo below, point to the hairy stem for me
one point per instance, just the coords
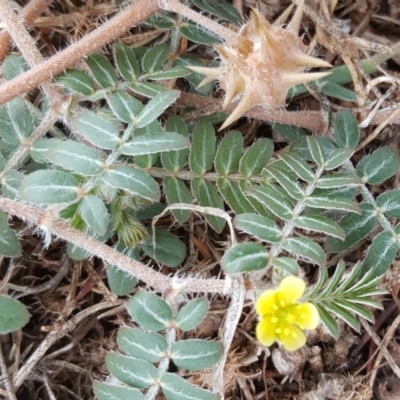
(45, 221)
(27, 16)
(313, 120)
(209, 176)
(177, 7)
(22, 152)
(25, 43)
(111, 30)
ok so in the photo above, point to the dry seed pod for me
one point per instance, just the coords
(267, 62)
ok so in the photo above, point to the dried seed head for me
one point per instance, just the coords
(267, 61)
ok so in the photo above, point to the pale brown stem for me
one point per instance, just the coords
(61, 229)
(312, 120)
(22, 152)
(8, 384)
(28, 15)
(111, 30)
(19, 34)
(177, 7)
(25, 43)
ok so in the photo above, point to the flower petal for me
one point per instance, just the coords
(292, 338)
(307, 316)
(266, 303)
(290, 290)
(265, 332)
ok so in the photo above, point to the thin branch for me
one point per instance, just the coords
(189, 175)
(155, 279)
(111, 30)
(58, 332)
(19, 34)
(312, 120)
(177, 7)
(22, 152)
(27, 16)
(8, 384)
(26, 45)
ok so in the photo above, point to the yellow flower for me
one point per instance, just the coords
(283, 319)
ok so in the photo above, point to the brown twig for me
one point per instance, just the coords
(111, 30)
(27, 16)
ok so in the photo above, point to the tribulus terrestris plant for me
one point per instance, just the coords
(131, 150)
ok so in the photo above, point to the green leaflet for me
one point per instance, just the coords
(14, 65)
(317, 149)
(207, 196)
(49, 187)
(172, 73)
(134, 181)
(177, 192)
(149, 311)
(155, 58)
(176, 388)
(202, 150)
(126, 61)
(256, 158)
(132, 371)
(195, 354)
(229, 153)
(76, 81)
(347, 132)
(379, 166)
(154, 143)
(156, 106)
(121, 283)
(107, 391)
(322, 224)
(292, 188)
(13, 315)
(234, 196)
(94, 212)
(356, 227)
(166, 248)
(298, 166)
(389, 203)
(306, 249)
(173, 161)
(337, 157)
(260, 227)
(287, 264)
(192, 314)
(381, 253)
(76, 157)
(102, 70)
(245, 257)
(125, 107)
(97, 131)
(220, 9)
(198, 34)
(137, 343)
(338, 179)
(273, 198)
(11, 183)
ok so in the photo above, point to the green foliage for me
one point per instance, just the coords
(120, 166)
(153, 346)
(345, 296)
(13, 315)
